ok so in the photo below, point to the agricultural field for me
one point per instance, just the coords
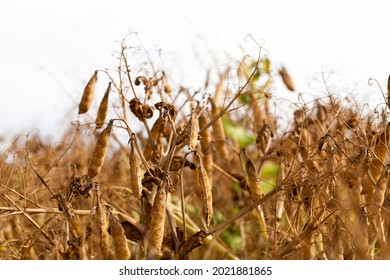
(160, 171)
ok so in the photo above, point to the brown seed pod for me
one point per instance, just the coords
(86, 99)
(205, 191)
(253, 179)
(219, 88)
(119, 242)
(100, 223)
(388, 92)
(194, 130)
(167, 86)
(157, 221)
(135, 172)
(286, 79)
(218, 133)
(99, 152)
(380, 151)
(257, 112)
(102, 111)
(206, 145)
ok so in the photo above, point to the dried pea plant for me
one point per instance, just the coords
(176, 173)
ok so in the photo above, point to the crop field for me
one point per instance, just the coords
(154, 170)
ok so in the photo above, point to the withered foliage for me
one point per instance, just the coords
(226, 179)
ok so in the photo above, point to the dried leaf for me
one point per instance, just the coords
(136, 108)
(263, 139)
(192, 242)
(157, 132)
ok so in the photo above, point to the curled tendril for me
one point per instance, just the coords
(271, 90)
(272, 74)
(135, 48)
(248, 37)
(87, 129)
(32, 133)
(75, 123)
(259, 44)
(371, 82)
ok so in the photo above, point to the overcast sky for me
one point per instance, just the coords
(49, 49)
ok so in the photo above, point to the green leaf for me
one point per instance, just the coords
(237, 133)
(268, 175)
(270, 169)
(232, 237)
(244, 98)
(267, 66)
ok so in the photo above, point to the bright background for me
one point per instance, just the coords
(49, 49)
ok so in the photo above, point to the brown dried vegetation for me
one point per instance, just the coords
(222, 180)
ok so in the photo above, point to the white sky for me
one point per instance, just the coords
(49, 49)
